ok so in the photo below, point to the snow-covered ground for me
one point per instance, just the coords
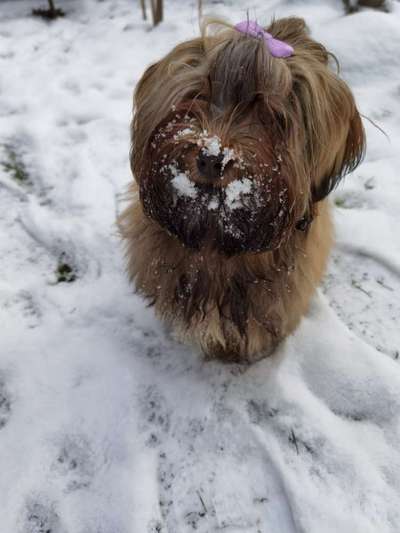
(107, 425)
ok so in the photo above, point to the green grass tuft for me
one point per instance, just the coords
(14, 165)
(65, 273)
(340, 201)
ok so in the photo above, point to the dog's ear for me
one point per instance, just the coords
(347, 160)
(144, 82)
(141, 116)
(170, 70)
(161, 86)
(326, 125)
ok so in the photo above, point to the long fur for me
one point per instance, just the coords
(237, 282)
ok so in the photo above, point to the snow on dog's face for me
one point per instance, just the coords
(230, 194)
(232, 147)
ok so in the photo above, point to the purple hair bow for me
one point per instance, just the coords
(276, 47)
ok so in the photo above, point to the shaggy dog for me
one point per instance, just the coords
(238, 137)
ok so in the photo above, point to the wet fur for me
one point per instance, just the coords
(238, 297)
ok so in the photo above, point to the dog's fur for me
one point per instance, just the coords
(237, 281)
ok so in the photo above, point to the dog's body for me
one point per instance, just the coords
(234, 153)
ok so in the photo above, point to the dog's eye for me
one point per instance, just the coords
(201, 98)
(258, 98)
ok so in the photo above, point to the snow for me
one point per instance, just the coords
(107, 424)
(182, 183)
(211, 145)
(235, 192)
(213, 203)
(228, 155)
(183, 133)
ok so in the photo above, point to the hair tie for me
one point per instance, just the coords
(276, 47)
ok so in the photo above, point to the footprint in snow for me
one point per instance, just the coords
(75, 462)
(191, 505)
(155, 526)
(362, 291)
(41, 517)
(155, 415)
(5, 404)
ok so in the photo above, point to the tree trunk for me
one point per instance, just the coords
(157, 11)
(143, 6)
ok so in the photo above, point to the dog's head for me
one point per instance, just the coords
(232, 147)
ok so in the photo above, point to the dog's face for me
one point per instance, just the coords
(233, 147)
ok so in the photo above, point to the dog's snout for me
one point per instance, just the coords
(209, 166)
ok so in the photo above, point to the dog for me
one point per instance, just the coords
(238, 137)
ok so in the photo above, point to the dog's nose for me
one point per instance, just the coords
(210, 166)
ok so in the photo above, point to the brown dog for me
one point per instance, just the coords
(234, 151)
